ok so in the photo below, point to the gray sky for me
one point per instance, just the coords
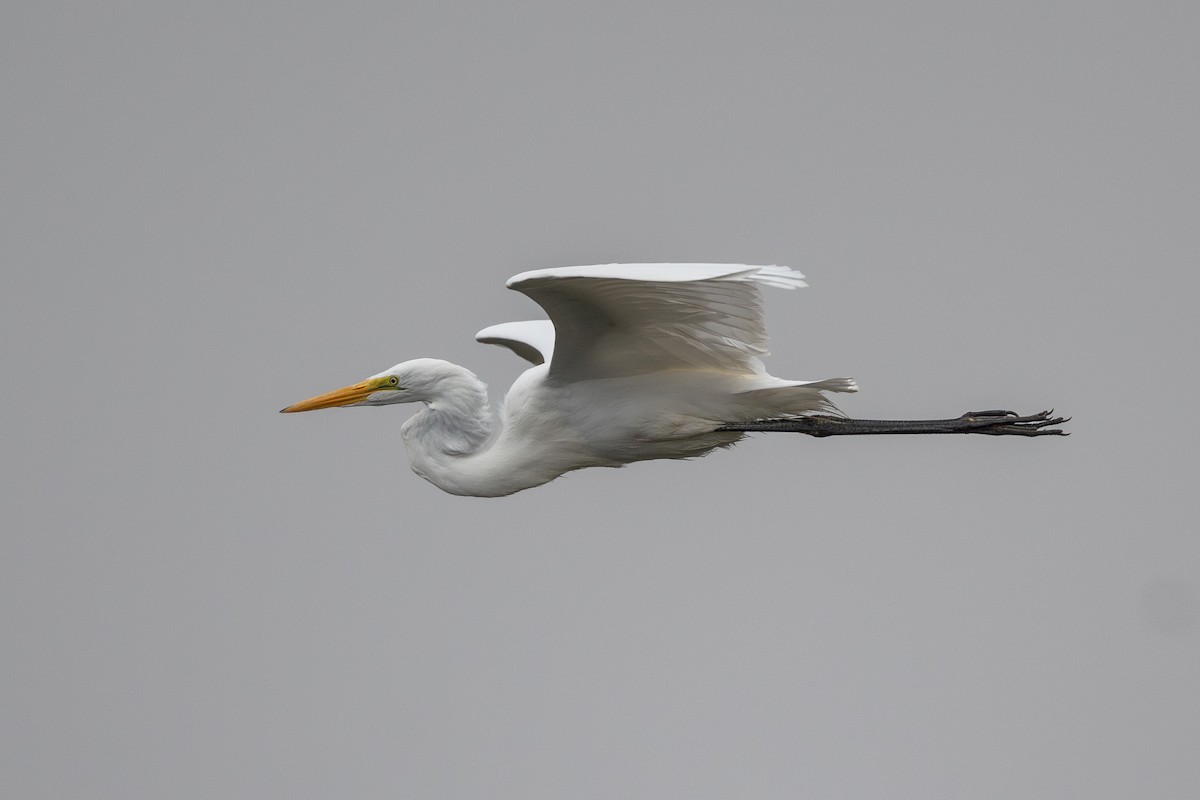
(212, 210)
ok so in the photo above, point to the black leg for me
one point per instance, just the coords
(992, 423)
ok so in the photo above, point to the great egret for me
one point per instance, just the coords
(637, 361)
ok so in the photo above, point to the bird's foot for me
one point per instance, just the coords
(999, 422)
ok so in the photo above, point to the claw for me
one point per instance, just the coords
(1032, 425)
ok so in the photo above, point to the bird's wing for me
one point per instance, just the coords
(532, 340)
(631, 319)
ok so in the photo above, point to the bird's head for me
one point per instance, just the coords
(419, 380)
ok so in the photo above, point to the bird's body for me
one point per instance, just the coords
(642, 362)
(637, 362)
(546, 429)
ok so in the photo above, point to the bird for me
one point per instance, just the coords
(636, 362)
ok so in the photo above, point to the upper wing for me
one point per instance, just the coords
(630, 319)
(532, 340)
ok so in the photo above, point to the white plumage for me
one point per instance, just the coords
(637, 361)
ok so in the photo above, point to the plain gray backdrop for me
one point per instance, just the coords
(211, 210)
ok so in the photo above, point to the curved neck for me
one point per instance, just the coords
(457, 445)
(456, 420)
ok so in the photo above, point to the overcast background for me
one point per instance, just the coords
(211, 210)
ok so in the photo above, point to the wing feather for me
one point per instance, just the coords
(629, 319)
(532, 340)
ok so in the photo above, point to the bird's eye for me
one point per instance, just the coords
(394, 381)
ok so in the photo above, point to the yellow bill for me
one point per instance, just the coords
(346, 396)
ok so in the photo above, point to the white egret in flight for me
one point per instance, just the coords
(637, 361)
